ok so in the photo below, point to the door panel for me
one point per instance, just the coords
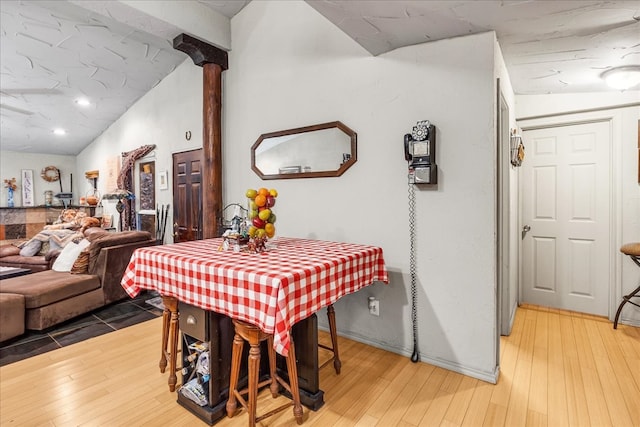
(566, 202)
(187, 196)
(545, 264)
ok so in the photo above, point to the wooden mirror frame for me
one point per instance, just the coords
(333, 173)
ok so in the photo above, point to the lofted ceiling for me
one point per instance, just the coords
(54, 52)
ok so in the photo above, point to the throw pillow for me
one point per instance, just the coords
(81, 265)
(45, 248)
(31, 248)
(68, 256)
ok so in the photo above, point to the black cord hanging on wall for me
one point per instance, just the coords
(415, 357)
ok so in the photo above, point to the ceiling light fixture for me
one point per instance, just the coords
(622, 78)
(59, 131)
(84, 102)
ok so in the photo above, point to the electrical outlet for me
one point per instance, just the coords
(374, 307)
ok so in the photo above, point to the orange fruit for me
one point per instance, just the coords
(263, 191)
(260, 200)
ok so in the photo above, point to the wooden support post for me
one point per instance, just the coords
(213, 62)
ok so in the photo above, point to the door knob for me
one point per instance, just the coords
(525, 230)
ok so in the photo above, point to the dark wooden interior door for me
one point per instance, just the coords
(187, 196)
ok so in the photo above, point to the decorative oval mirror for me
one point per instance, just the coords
(324, 150)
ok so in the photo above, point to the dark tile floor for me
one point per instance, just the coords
(101, 321)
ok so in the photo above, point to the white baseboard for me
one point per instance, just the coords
(630, 322)
(490, 377)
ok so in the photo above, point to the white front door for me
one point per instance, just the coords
(566, 202)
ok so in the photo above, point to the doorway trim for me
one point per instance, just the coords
(503, 240)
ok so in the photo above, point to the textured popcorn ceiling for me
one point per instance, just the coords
(54, 53)
(112, 52)
(548, 46)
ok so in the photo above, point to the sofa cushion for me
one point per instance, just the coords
(57, 239)
(47, 287)
(100, 241)
(31, 248)
(7, 250)
(68, 256)
(24, 260)
(81, 266)
(94, 232)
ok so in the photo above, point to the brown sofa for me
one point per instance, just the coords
(51, 297)
(10, 257)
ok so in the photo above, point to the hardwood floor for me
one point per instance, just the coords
(557, 368)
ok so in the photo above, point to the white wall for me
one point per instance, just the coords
(625, 225)
(289, 67)
(12, 163)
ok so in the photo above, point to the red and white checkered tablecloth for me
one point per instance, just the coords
(273, 289)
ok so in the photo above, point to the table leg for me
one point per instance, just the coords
(305, 338)
(331, 313)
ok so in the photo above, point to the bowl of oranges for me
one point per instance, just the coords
(260, 214)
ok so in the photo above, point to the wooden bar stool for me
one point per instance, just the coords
(253, 334)
(170, 328)
(337, 364)
(633, 251)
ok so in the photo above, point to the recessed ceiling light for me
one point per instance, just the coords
(84, 102)
(59, 131)
(622, 78)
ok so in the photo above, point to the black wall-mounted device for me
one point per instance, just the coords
(420, 152)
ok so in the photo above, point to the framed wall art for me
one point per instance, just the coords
(27, 187)
(163, 180)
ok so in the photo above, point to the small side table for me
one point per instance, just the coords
(633, 251)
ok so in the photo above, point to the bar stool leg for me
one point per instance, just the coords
(166, 317)
(252, 334)
(625, 299)
(633, 251)
(254, 368)
(236, 358)
(170, 304)
(293, 383)
(274, 387)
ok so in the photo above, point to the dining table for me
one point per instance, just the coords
(274, 289)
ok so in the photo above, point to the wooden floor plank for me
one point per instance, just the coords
(424, 397)
(517, 409)
(538, 396)
(556, 391)
(478, 405)
(598, 412)
(441, 401)
(461, 401)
